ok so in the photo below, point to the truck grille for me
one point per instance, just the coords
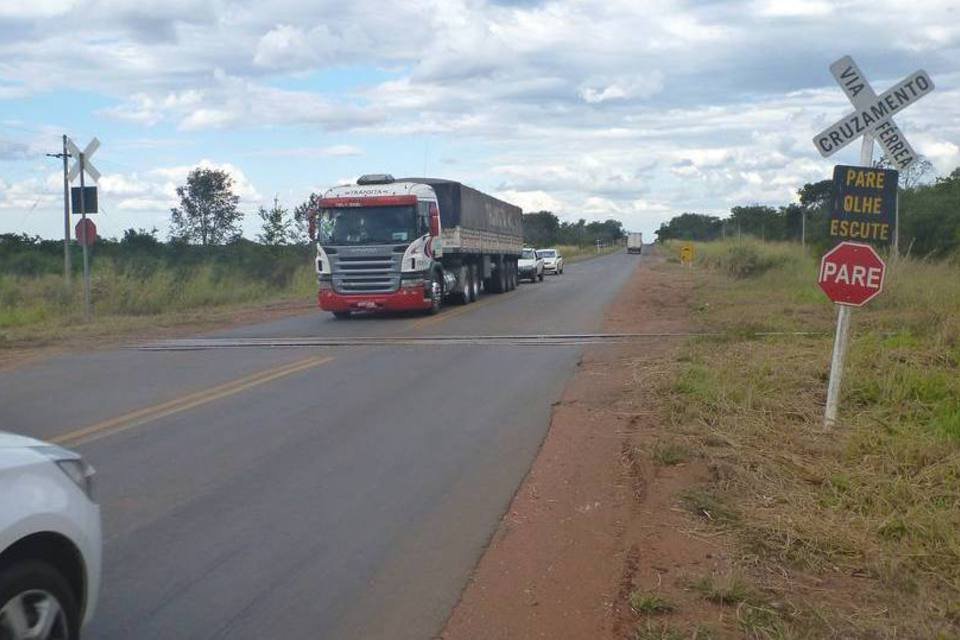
(366, 274)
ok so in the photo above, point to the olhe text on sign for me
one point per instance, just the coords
(864, 204)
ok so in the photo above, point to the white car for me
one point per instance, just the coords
(50, 541)
(552, 261)
(530, 265)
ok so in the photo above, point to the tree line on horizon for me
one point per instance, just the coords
(206, 225)
(929, 217)
(545, 229)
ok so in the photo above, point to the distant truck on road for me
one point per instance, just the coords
(395, 245)
(634, 242)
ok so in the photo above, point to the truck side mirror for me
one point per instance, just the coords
(434, 220)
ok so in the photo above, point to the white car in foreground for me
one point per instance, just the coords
(552, 261)
(50, 541)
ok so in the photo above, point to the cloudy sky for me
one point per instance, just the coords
(590, 108)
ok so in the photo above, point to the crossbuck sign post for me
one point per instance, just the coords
(872, 118)
(82, 167)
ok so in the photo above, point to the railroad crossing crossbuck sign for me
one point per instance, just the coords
(874, 114)
(75, 152)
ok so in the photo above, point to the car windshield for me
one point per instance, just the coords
(367, 225)
(528, 254)
(548, 254)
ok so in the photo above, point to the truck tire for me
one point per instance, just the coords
(436, 294)
(497, 282)
(475, 280)
(513, 278)
(465, 278)
(341, 315)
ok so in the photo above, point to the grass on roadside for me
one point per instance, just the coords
(670, 453)
(665, 631)
(645, 603)
(38, 308)
(873, 506)
(724, 590)
(573, 253)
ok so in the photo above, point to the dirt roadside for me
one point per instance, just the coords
(598, 517)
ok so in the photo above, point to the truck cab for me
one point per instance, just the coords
(381, 246)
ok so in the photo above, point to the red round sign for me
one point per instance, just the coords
(851, 273)
(91, 229)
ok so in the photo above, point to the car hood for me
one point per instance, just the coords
(13, 441)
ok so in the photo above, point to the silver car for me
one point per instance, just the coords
(552, 261)
(530, 265)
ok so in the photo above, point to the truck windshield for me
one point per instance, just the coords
(368, 225)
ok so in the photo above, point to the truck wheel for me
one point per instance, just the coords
(436, 294)
(341, 315)
(465, 285)
(498, 281)
(477, 282)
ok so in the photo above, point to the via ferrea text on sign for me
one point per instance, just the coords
(864, 204)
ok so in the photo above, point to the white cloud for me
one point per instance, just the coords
(582, 106)
(283, 46)
(624, 88)
(532, 200)
(793, 8)
(27, 9)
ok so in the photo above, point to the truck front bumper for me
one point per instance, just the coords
(406, 298)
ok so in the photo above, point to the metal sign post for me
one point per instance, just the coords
(842, 339)
(872, 118)
(84, 166)
(86, 251)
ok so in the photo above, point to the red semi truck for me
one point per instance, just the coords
(409, 244)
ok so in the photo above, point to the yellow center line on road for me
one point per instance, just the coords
(183, 403)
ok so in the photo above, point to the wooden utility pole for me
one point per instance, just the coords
(66, 210)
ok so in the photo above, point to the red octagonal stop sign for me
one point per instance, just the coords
(851, 273)
(86, 232)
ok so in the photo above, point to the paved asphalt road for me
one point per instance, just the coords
(338, 492)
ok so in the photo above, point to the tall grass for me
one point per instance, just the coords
(872, 507)
(573, 253)
(121, 290)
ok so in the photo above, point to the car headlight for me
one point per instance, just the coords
(74, 466)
